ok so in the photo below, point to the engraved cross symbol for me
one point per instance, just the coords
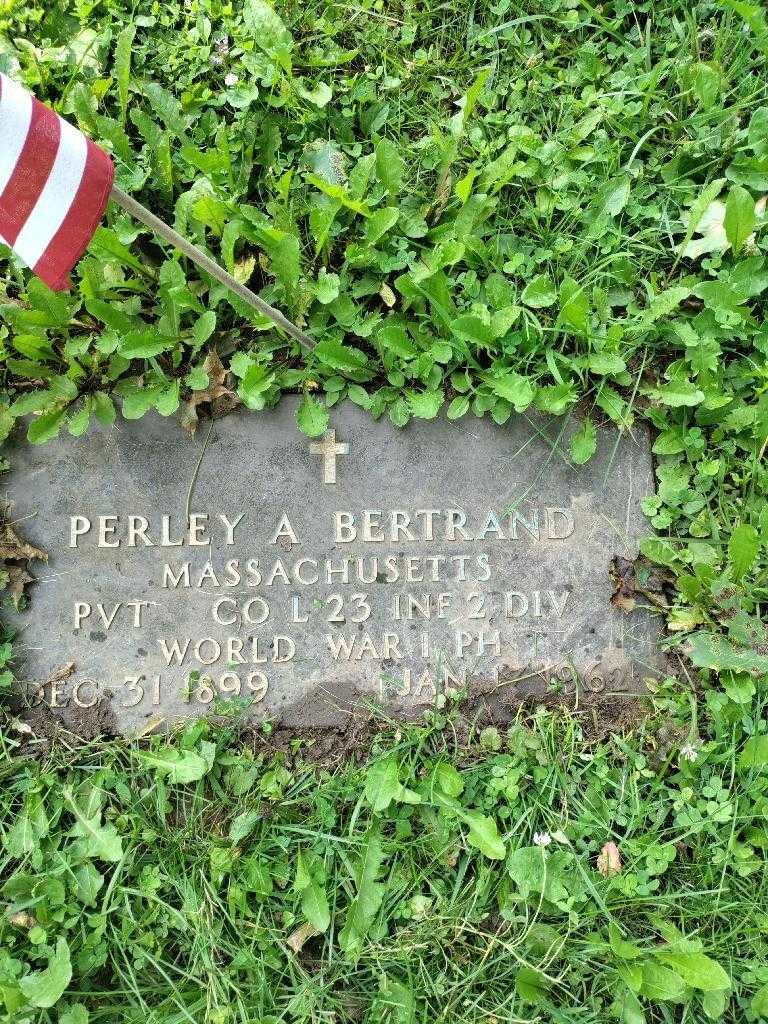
(329, 449)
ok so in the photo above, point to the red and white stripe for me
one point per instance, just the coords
(54, 185)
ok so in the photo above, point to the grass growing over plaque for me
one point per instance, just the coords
(481, 210)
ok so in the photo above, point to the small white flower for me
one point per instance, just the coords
(231, 80)
(689, 752)
(541, 838)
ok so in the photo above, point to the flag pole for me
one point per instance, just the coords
(197, 256)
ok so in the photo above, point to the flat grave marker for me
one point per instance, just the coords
(298, 579)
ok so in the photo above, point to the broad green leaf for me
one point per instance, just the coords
(467, 103)
(30, 826)
(708, 650)
(395, 337)
(616, 196)
(106, 245)
(473, 330)
(382, 783)
(627, 1008)
(45, 427)
(605, 363)
(89, 882)
(267, 30)
(203, 328)
(447, 780)
(244, 824)
(584, 443)
(138, 400)
(256, 876)
(144, 344)
(123, 49)
(321, 217)
(739, 216)
(697, 970)
(699, 207)
(484, 835)
(76, 1013)
(339, 193)
(678, 393)
(368, 897)
(327, 287)
(759, 1003)
(321, 94)
(707, 82)
(531, 985)
(108, 313)
(458, 407)
(327, 161)
(556, 398)
(44, 988)
(500, 171)
(621, 947)
(714, 1003)
(395, 1003)
(390, 166)
(514, 388)
(754, 753)
(574, 305)
(312, 416)
(303, 873)
(178, 766)
(539, 293)
(166, 106)
(167, 401)
(379, 222)
(284, 251)
(314, 906)
(101, 841)
(743, 548)
(399, 412)
(662, 305)
(342, 357)
(463, 187)
(660, 982)
(659, 550)
(56, 307)
(256, 380)
(79, 420)
(425, 404)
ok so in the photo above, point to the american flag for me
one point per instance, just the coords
(54, 185)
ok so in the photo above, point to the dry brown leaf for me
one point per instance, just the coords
(300, 935)
(22, 920)
(149, 726)
(243, 270)
(20, 727)
(442, 195)
(609, 860)
(623, 576)
(14, 548)
(64, 672)
(216, 392)
(639, 578)
(18, 578)
(386, 295)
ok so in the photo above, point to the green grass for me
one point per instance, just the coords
(429, 897)
(478, 209)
